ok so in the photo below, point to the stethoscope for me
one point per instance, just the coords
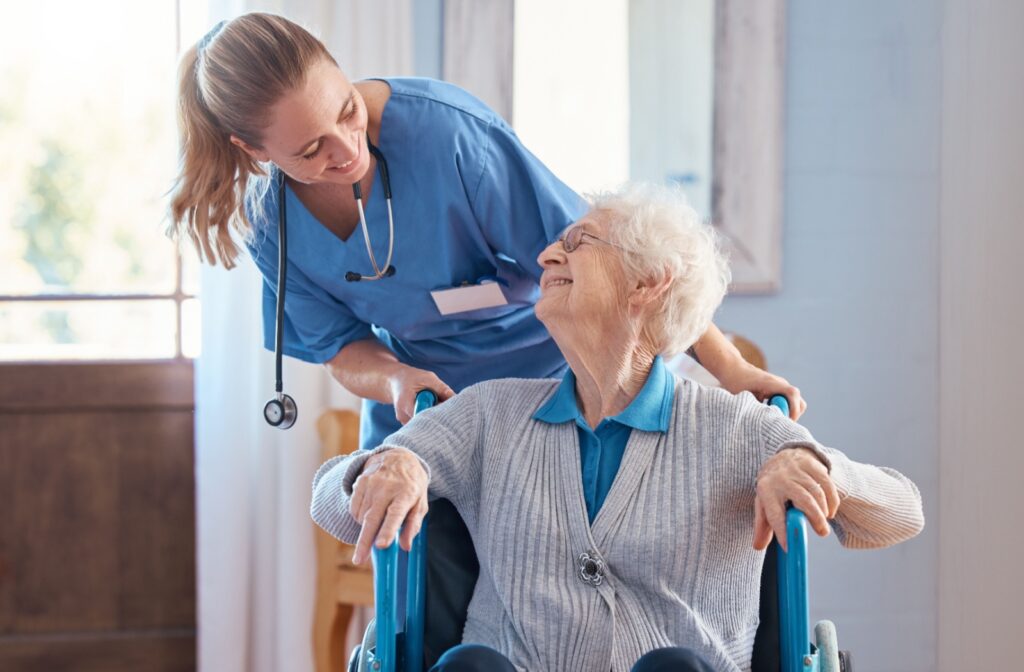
(281, 411)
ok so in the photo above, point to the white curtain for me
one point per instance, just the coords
(256, 554)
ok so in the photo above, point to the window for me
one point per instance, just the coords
(88, 131)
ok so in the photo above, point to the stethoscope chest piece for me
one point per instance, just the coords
(281, 412)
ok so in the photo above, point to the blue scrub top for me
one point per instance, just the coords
(469, 202)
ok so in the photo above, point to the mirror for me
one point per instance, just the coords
(671, 76)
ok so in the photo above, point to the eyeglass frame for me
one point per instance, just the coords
(564, 238)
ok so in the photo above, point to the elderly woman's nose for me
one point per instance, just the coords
(552, 254)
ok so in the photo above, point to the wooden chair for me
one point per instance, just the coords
(341, 586)
(749, 350)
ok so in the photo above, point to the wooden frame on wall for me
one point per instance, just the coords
(746, 198)
(747, 158)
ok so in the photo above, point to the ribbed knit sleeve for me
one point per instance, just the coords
(878, 506)
(446, 439)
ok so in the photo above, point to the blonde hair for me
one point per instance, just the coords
(665, 237)
(227, 84)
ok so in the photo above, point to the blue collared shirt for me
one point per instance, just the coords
(602, 448)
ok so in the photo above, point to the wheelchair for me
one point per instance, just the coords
(782, 642)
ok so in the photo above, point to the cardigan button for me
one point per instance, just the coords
(591, 569)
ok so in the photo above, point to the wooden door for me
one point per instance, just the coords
(97, 521)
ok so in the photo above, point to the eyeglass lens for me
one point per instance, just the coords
(572, 238)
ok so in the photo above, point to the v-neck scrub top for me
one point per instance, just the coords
(469, 202)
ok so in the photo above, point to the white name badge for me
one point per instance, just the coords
(469, 297)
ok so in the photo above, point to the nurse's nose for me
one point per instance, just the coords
(345, 148)
(552, 255)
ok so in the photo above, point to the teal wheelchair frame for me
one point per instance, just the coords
(386, 643)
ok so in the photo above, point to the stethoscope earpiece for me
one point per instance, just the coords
(281, 412)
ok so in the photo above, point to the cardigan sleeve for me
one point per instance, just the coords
(878, 506)
(447, 441)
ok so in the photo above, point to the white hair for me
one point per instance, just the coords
(663, 236)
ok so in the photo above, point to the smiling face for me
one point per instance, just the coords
(317, 132)
(583, 290)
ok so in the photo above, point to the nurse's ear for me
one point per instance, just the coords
(256, 153)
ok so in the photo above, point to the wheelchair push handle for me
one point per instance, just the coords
(385, 588)
(424, 400)
(780, 402)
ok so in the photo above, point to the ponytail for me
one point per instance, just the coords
(226, 84)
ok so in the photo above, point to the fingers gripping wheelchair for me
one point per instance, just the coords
(782, 643)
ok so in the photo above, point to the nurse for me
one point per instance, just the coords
(437, 291)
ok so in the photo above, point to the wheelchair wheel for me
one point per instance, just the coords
(368, 645)
(828, 646)
(353, 660)
(845, 661)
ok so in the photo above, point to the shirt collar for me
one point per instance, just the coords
(650, 411)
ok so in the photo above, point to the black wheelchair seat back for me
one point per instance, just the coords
(452, 572)
(453, 569)
(767, 651)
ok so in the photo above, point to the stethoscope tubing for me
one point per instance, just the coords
(282, 279)
(282, 257)
(357, 192)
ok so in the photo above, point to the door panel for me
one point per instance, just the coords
(97, 545)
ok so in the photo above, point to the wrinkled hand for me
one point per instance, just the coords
(764, 385)
(390, 493)
(407, 382)
(792, 475)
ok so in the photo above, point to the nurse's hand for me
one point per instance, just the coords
(390, 494)
(744, 377)
(407, 382)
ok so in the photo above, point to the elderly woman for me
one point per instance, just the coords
(620, 514)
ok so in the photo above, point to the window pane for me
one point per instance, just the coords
(87, 127)
(87, 330)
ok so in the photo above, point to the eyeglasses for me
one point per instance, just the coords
(573, 238)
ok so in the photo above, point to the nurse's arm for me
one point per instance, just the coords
(721, 358)
(369, 370)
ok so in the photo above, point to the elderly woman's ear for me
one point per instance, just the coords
(650, 291)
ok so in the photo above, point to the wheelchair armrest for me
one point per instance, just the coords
(794, 610)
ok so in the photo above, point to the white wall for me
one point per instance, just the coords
(981, 311)
(855, 323)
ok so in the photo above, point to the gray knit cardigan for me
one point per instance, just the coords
(674, 534)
